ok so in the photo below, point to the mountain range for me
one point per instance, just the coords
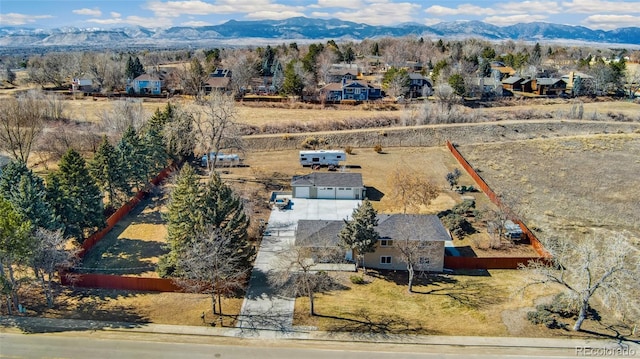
(304, 29)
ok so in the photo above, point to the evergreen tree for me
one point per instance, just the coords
(156, 155)
(184, 218)
(292, 84)
(107, 169)
(129, 70)
(359, 233)
(224, 210)
(138, 69)
(15, 249)
(456, 81)
(27, 193)
(79, 196)
(194, 210)
(134, 68)
(133, 159)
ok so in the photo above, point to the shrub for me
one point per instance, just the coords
(465, 207)
(356, 279)
(348, 150)
(287, 137)
(378, 148)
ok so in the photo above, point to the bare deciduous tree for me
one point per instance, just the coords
(21, 122)
(295, 274)
(211, 265)
(411, 189)
(446, 96)
(216, 128)
(243, 66)
(415, 253)
(600, 265)
(121, 115)
(50, 255)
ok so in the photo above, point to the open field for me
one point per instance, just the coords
(484, 303)
(566, 186)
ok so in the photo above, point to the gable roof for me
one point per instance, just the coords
(547, 81)
(512, 80)
(147, 77)
(422, 227)
(218, 82)
(328, 179)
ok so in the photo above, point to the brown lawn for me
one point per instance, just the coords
(484, 303)
(566, 186)
(134, 245)
(133, 307)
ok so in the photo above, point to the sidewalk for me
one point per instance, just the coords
(29, 324)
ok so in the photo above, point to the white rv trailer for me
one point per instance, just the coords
(322, 157)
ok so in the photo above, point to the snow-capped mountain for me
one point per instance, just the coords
(301, 28)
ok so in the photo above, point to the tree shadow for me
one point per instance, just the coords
(460, 251)
(373, 194)
(364, 324)
(82, 310)
(126, 257)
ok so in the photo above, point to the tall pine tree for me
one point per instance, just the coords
(108, 171)
(184, 218)
(224, 210)
(194, 209)
(133, 159)
(78, 196)
(27, 193)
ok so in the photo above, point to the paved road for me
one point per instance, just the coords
(83, 345)
(263, 307)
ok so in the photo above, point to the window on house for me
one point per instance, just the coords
(386, 243)
(356, 91)
(385, 260)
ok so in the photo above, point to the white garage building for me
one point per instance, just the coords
(328, 185)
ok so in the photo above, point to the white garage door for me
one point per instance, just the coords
(344, 193)
(302, 192)
(327, 192)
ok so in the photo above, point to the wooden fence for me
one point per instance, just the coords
(507, 262)
(110, 281)
(452, 262)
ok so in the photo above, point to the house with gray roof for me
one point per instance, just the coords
(328, 185)
(427, 229)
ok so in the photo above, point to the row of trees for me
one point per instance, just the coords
(40, 217)
(309, 65)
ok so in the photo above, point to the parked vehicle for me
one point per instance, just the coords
(322, 157)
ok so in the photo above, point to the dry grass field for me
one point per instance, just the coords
(567, 186)
(478, 303)
(134, 307)
(133, 246)
(434, 162)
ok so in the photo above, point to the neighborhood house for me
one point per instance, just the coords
(325, 185)
(427, 230)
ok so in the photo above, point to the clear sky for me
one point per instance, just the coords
(595, 14)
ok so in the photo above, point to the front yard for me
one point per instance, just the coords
(466, 303)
